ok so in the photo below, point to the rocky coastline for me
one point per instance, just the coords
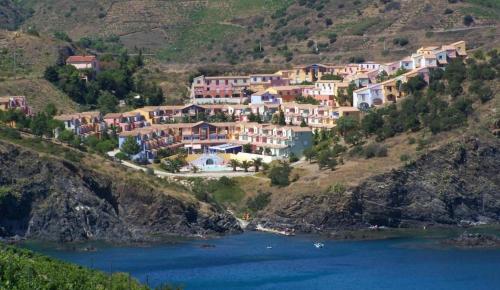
(45, 198)
(455, 185)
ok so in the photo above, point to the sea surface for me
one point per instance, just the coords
(266, 261)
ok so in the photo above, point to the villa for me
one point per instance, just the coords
(220, 89)
(82, 62)
(387, 91)
(83, 124)
(316, 116)
(15, 103)
(280, 141)
(125, 121)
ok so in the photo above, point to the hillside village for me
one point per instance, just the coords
(259, 116)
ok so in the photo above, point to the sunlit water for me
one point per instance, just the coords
(266, 261)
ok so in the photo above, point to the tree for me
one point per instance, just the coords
(327, 158)
(346, 125)
(303, 123)
(279, 174)
(51, 74)
(130, 146)
(257, 163)
(246, 164)
(281, 118)
(39, 125)
(247, 148)
(309, 154)
(468, 20)
(50, 109)
(66, 136)
(372, 122)
(234, 164)
(107, 102)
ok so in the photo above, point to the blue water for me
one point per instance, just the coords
(245, 262)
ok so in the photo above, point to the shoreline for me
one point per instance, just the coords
(434, 233)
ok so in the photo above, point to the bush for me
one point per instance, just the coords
(61, 35)
(401, 41)
(122, 156)
(375, 150)
(259, 202)
(293, 158)
(404, 157)
(468, 20)
(356, 59)
(448, 11)
(279, 174)
(10, 133)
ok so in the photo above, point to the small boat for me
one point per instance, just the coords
(319, 245)
(269, 247)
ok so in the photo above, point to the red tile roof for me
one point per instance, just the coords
(80, 58)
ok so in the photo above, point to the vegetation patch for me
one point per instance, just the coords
(23, 269)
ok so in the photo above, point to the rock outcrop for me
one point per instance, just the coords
(467, 240)
(46, 198)
(457, 183)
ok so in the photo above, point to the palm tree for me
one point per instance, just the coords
(257, 163)
(234, 164)
(246, 164)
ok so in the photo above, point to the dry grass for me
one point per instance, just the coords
(39, 93)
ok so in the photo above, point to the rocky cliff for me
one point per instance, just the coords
(457, 183)
(47, 198)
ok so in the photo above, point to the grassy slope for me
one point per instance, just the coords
(196, 31)
(23, 269)
(39, 93)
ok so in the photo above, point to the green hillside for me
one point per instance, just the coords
(275, 31)
(23, 269)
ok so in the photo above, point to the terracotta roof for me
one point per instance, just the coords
(80, 58)
(77, 115)
(286, 88)
(226, 77)
(346, 109)
(112, 115)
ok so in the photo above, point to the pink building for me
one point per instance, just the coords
(221, 89)
(15, 103)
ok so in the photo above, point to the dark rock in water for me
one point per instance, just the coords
(206, 246)
(457, 182)
(49, 199)
(467, 240)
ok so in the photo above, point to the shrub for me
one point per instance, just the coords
(259, 202)
(356, 59)
(293, 158)
(448, 11)
(422, 144)
(468, 20)
(357, 150)
(375, 150)
(150, 171)
(401, 41)
(411, 140)
(122, 156)
(10, 133)
(279, 174)
(404, 157)
(61, 35)
(337, 188)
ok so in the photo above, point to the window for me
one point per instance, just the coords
(217, 82)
